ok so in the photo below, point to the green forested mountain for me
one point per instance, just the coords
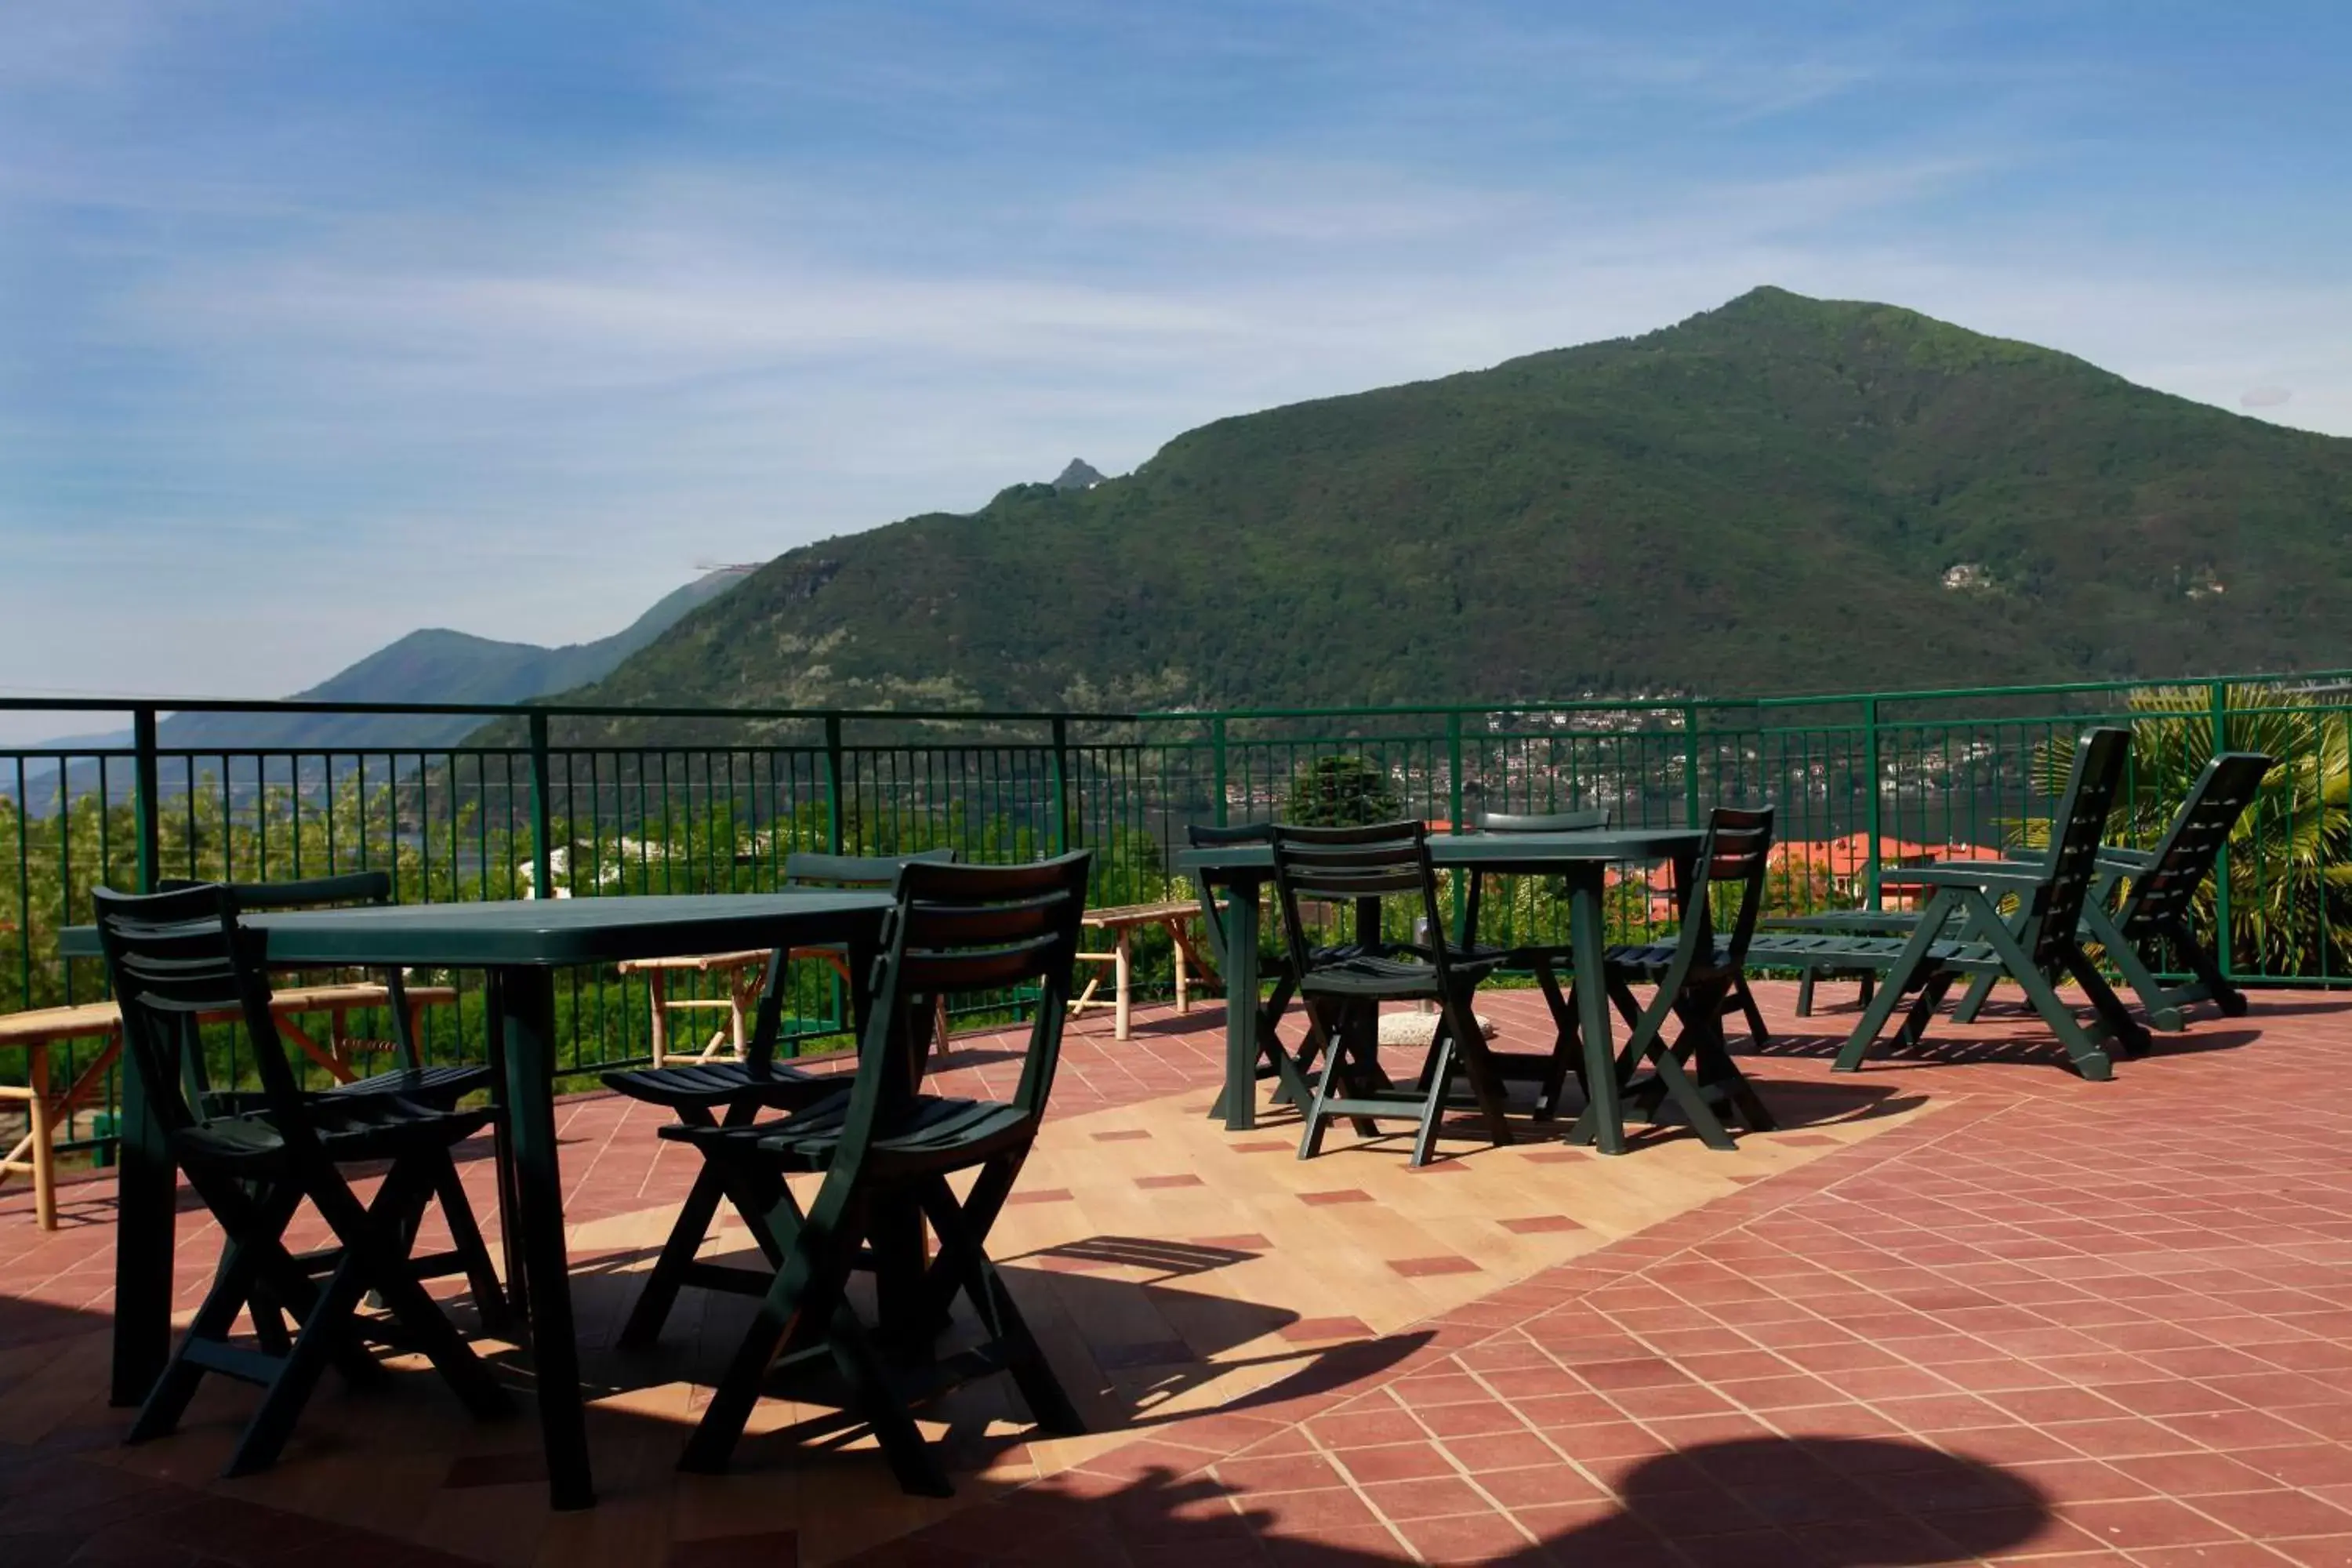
(1781, 495)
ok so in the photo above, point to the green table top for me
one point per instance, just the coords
(554, 932)
(1526, 853)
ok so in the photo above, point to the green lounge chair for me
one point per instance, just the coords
(2045, 941)
(2151, 923)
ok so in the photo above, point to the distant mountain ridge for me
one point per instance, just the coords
(1780, 495)
(433, 665)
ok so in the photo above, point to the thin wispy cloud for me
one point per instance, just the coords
(324, 322)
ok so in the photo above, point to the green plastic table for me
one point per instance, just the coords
(1580, 859)
(521, 945)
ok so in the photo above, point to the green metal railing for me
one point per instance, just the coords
(588, 801)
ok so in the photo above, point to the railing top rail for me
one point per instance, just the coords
(1691, 705)
(524, 709)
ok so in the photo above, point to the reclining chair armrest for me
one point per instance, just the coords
(2006, 875)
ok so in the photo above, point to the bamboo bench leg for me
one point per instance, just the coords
(1121, 968)
(44, 1153)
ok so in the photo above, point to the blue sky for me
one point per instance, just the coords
(319, 323)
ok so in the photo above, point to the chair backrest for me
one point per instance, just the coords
(807, 868)
(961, 929)
(1591, 819)
(1365, 864)
(343, 890)
(2161, 894)
(2100, 758)
(174, 957)
(1736, 852)
(1585, 821)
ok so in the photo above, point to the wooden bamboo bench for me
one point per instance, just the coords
(1122, 920)
(47, 1108)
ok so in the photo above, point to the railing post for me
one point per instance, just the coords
(1454, 770)
(1690, 765)
(146, 798)
(1058, 778)
(542, 853)
(2218, 695)
(1870, 805)
(833, 784)
(1217, 754)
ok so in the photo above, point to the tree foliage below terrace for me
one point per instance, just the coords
(1765, 498)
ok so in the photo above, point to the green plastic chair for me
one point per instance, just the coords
(886, 1151)
(732, 1094)
(1365, 866)
(1697, 977)
(173, 957)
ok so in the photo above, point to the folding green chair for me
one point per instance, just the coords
(886, 1151)
(732, 1094)
(2045, 941)
(1542, 958)
(1343, 992)
(1695, 977)
(174, 958)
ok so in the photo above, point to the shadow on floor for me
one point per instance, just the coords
(1769, 1502)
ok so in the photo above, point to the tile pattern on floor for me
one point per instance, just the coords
(2050, 1323)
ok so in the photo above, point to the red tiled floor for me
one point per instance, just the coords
(2047, 1321)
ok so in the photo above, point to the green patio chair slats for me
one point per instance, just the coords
(1697, 977)
(732, 1094)
(173, 957)
(1341, 990)
(2045, 941)
(886, 1151)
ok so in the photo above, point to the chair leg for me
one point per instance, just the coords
(2121, 1024)
(1567, 1037)
(265, 1435)
(251, 1229)
(466, 1235)
(1752, 1013)
(686, 1235)
(963, 1249)
(1805, 992)
(379, 1268)
(1432, 1109)
(2218, 987)
(1310, 1138)
(1914, 1031)
(1628, 1007)
(1979, 990)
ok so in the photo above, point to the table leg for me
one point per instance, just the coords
(529, 998)
(1238, 1103)
(502, 1154)
(1604, 1122)
(145, 1213)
